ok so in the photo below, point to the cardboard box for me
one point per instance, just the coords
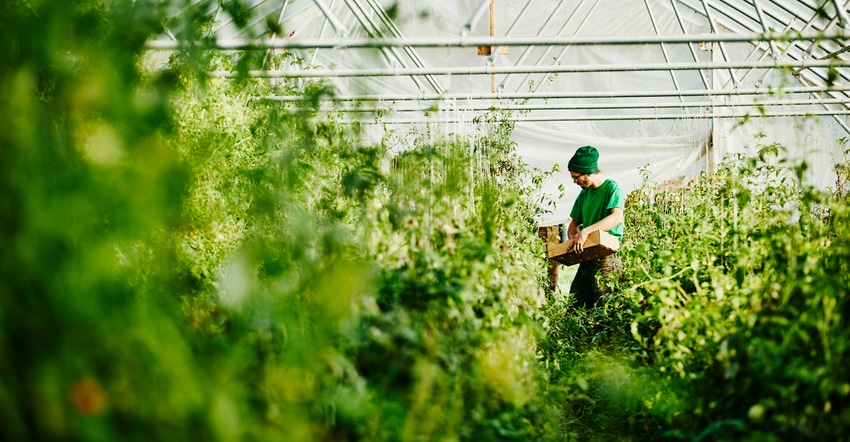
(598, 244)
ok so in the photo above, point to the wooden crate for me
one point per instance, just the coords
(598, 244)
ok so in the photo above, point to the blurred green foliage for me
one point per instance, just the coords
(185, 261)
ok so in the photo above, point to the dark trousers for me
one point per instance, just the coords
(588, 286)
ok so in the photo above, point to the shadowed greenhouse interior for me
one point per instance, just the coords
(328, 220)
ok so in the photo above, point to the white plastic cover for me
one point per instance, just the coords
(625, 106)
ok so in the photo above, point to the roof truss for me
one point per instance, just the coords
(806, 38)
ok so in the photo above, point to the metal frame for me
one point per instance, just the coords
(473, 41)
(611, 117)
(811, 47)
(582, 95)
(489, 69)
(760, 107)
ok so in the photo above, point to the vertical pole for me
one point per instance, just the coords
(711, 149)
(493, 48)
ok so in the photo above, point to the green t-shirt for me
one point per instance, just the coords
(594, 204)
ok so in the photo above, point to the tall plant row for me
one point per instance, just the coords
(410, 277)
(183, 260)
(729, 322)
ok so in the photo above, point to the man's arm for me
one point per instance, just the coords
(573, 229)
(614, 219)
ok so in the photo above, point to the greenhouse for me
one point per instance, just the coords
(658, 84)
(315, 220)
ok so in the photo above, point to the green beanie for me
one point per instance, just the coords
(584, 160)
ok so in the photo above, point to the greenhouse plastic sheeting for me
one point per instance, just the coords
(639, 137)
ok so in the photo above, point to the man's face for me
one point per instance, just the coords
(582, 179)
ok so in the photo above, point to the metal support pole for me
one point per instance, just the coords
(559, 69)
(565, 48)
(722, 47)
(340, 28)
(396, 32)
(714, 133)
(321, 33)
(815, 43)
(467, 27)
(841, 13)
(618, 117)
(373, 30)
(835, 117)
(543, 27)
(764, 28)
(357, 106)
(690, 45)
(663, 48)
(580, 95)
(472, 41)
(493, 48)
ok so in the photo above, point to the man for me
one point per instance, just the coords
(599, 206)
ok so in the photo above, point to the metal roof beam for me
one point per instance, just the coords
(543, 27)
(675, 6)
(322, 33)
(282, 11)
(373, 31)
(443, 42)
(586, 95)
(565, 48)
(761, 57)
(473, 20)
(809, 52)
(773, 51)
(396, 32)
(273, 34)
(560, 69)
(841, 14)
(413, 106)
(729, 11)
(817, 44)
(722, 46)
(497, 50)
(663, 48)
(340, 28)
(840, 122)
(612, 117)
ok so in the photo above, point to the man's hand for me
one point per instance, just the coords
(580, 239)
